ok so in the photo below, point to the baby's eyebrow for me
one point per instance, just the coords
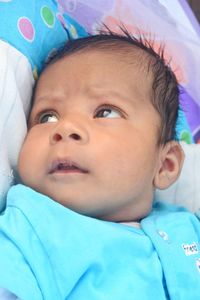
(130, 93)
(46, 99)
(46, 102)
(42, 103)
(99, 93)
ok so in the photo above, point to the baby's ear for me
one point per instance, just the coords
(170, 165)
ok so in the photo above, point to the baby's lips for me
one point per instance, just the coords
(65, 164)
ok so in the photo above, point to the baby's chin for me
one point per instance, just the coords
(90, 206)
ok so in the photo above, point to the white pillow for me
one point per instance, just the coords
(15, 94)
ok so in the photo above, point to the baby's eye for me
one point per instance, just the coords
(108, 112)
(47, 117)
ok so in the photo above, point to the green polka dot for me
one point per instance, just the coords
(186, 137)
(47, 16)
(73, 32)
(35, 73)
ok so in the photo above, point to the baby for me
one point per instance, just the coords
(101, 129)
(101, 139)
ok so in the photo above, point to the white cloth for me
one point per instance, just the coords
(15, 93)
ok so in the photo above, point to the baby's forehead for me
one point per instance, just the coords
(127, 59)
(135, 58)
(129, 51)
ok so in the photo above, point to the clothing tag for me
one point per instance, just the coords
(190, 249)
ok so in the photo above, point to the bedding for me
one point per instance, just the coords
(31, 31)
(15, 93)
(36, 28)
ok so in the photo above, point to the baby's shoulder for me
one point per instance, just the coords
(172, 217)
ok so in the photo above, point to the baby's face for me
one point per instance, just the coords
(92, 139)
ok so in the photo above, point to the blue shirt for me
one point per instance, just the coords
(50, 252)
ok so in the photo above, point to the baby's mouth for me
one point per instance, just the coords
(66, 166)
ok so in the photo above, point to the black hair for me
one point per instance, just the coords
(165, 90)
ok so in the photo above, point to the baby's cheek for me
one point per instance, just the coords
(27, 158)
(22, 163)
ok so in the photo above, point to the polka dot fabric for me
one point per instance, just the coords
(36, 28)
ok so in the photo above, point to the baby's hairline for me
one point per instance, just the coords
(130, 51)
(163, 87)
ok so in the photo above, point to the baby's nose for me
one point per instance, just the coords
(69, 132)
